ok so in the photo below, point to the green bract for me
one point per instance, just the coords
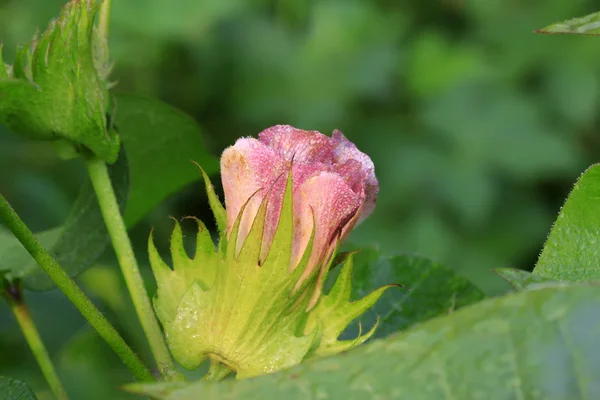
(57, 88)
(242, 314)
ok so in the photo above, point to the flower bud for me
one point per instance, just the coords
(334, 185)
(57, 88)
(253, 304)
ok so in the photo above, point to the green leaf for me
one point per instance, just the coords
(571, 252)
(161, 142)
(588, 25)
(76, 244)
(430, 290)
(12, 389)
(94, 372)
(519, 279)
(537, 344)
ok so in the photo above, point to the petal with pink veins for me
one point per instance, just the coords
(346, 150)
(297, 144)
(333, 203)
(247, 167)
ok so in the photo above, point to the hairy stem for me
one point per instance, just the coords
(135, 284)
(14, 296)
(72, 291)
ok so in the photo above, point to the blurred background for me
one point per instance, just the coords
(478, 129)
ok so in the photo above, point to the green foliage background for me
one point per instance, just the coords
(478, 129)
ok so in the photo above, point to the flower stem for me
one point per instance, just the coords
(104, 18)
(217, 371)
(14, 296)
(135, 284)
(72, 291)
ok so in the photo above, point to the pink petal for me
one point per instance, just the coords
(246, 167)
(332, 181)
(302, 146)
(346, 150)
(300, 173)
(333, 203)
(352, 172)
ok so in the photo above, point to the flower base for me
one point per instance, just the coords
(243, 312)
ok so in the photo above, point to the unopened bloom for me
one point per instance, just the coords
(334, 187)
(253, 304)
(58, 89)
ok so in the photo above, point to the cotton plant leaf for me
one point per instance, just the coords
(428, 289)
(162, 143)
(536, 344)
(571, 252)
(587, 25)
(76, 245)
(13, 389)
(521, 280)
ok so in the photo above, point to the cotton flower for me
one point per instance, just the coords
(253, 303)
(334, 187)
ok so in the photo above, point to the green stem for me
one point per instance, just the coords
(72, 291)
(122, 245)
(14, 296)
(217, 371)
(104, 19)
(135, 284)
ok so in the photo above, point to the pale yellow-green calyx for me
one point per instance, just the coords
(242, 313)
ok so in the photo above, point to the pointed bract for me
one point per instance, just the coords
(338, 312)
(66, 70)
(243, 310)
(217, 209)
